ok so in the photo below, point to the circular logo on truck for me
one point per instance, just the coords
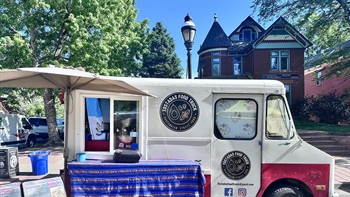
(179, 111)
(235, 165)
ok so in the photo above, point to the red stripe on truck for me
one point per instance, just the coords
(310, 174)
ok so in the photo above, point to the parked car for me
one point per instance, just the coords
(40, 127)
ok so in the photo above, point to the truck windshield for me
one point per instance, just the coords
(278, 123)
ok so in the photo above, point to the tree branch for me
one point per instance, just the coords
(62, 36)
(346, 9)
(34, 46)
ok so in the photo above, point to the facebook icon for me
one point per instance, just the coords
(228, 192)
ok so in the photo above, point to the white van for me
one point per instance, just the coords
(241, 132)
(16, 129)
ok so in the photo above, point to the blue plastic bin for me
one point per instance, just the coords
(39, 161)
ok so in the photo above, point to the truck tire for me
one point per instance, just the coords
(285, 191)
(31, 141)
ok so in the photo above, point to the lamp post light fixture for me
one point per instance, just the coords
(188, 30)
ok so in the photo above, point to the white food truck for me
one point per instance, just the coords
(240, 131)
(15, 129)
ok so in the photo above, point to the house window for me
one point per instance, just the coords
(247, 35)
(201, 69)
(237, 65)
(215, 53)
(216, 64)
(280, 60)
(319, 78)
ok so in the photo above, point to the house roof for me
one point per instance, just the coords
(249, 21)
(309, 61)
(240, 47)
(216, 38)
(282, 31)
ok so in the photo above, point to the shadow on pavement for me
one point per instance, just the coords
(27, 176)
(345, 187)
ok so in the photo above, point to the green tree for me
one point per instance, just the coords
(161, 60)
(101, 36)
(325, 23)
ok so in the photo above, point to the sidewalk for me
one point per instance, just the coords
(342, 171)
(56, 163)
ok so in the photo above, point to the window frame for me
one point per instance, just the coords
(253, 35)
(248, 35)
(217, 132)
(319, 78)
(111, 140)
(216, 63)
(278, 57)
(215, 53)
(240, 65)
(288, 115)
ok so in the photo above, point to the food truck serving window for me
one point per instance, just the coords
(111, 122)
(235, 119)
(278, 122)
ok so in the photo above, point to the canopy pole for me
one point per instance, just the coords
(66, 150)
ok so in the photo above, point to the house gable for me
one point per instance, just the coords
(249, 30)
(281, 34)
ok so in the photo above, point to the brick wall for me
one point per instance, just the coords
(338, 84)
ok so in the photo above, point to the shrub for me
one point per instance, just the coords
(329, 108)
(326, 108)
(302, 108)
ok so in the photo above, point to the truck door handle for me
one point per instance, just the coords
(285, 144)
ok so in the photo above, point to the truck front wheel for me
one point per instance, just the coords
(31, 141)
(285, 191)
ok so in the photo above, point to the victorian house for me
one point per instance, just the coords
(251, 52)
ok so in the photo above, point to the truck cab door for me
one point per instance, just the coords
(236, 145)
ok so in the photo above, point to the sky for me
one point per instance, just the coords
(171, 14)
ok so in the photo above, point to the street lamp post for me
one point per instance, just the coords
(188, 30)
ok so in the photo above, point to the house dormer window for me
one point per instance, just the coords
(247, 35)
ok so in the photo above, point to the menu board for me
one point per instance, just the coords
(11, 190)
(8, 162)
(51, 187)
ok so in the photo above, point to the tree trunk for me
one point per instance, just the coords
(50, 112)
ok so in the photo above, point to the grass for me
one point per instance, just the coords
(308, 125)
